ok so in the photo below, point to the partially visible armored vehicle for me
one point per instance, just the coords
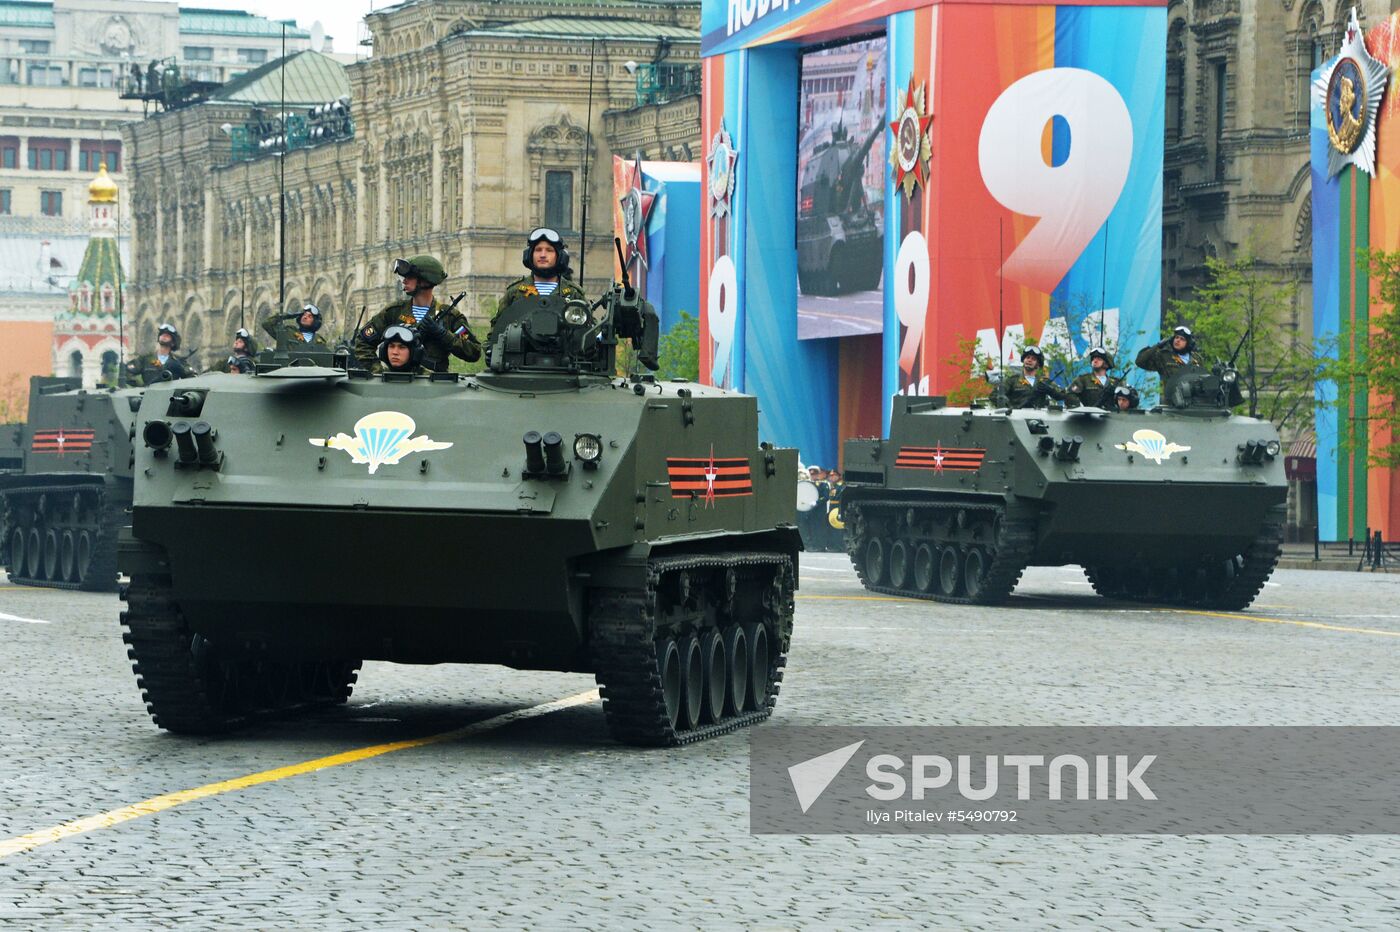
(61, 510)
(545, 514)
(839, 238)
(1182, 504)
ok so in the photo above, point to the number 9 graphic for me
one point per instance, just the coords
(1073, 199)
(722, 304)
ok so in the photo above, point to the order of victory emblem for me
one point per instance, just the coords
(1350, 91)
(913, 140)
(381, 439)
(721, 173)
(1151, 445)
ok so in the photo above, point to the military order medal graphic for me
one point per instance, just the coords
(636, 204)
(1350, 92)
(381, 439)
(720, 182)
(913, 140)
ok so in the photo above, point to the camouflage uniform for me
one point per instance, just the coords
(459, 343)
(1017, 391)
(1166, 363)
(525, 288)
(1090, 392)
(276, 325)
(177, 367)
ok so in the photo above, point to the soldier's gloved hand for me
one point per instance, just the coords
(1165, 344)
(1042, 387)
(432, 329)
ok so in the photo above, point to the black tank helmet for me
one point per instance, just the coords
(240, 364)
(316, 320)
(1035, 351)
(249, 347)
(1185, 331)
(1125, 391)
(402, 334)
(546, 235)
(174, 335)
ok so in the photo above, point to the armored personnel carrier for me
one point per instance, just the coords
(1183, 503)
(61, 509)
(544, 514)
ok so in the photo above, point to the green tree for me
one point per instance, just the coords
(680, 350)
(480, 323)
(14, 399)
(1366, 370)
(1247, 309)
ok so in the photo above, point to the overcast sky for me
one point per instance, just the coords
(341, 18)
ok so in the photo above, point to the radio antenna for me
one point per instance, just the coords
(1001, 309)
(1103, 289)
(587, 137)
(282, 189)
(120, 375)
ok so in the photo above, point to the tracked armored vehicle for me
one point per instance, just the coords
(1182, 504)
(61, 509)
(544, 514)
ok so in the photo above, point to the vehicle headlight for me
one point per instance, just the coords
(1272, 448)
(589, 448)
(576, 315)
(1228, 376)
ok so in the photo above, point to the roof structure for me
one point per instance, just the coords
(28, 266)
(195, 21)
(311, 78)
(24, 13)
(574, 27)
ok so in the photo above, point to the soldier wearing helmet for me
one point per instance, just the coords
(243, 344)
(298, 327)
(163, 364)
(1095, 387)
(401, 350)
(547, 258)
(443, 331)
(1125, 398)
(1031, 387)
(1173, 354)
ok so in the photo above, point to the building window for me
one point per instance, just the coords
(252, 56)
(45, 75)
(48, 154)
(9, 151)
(559, 200)
(4, 200)
(34, 46)
(199, 53)
(51, 203)
(92, 153)
(1220, 99)
(94, 77)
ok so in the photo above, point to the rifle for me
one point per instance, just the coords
(452, 307)
(1235, 355)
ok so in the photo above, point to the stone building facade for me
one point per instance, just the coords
(1237, 163)
(470, 128)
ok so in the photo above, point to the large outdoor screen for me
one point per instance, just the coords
(841, 190)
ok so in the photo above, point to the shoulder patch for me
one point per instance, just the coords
(369, 332)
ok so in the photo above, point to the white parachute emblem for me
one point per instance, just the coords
(1152, 446)
(381, 439)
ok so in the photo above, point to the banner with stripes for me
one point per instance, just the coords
(709, 477)
(940, 458)
(61, 440)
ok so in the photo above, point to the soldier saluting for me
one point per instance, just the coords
(1173, 354)
(301, 326)
(442, 329)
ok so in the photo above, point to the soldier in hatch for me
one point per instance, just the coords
(161, 365)
(401, 350)
(443, 331)
(1095, 387)
(301, 326)
(1031, 387)
(1173, 354)
(547, 258)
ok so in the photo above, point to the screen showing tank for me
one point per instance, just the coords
(841, 190)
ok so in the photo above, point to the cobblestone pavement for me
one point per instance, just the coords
(546, 823)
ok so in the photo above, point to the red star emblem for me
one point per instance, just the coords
(636, 211)
(711, 474)
(913, 145)
(938, 457)
(60, 440)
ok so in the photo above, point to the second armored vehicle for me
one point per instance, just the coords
(61, 510)
(545, 514)
(1181, 504)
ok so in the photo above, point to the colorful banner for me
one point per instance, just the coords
(1352, 211)
(1023, 177)
(656, 215)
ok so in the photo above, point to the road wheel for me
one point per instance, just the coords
(757, 636)
(51, 546)
(84, 555)
(67, 557)
(736, 660)
(875, 562)
(974, 572)
(33, 554)
(692, 682)
(17, 545)
(924, 568)
(899, 564)
(668, 666)
(715, 674)
(949, 571)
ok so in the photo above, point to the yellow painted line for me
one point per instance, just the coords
(48, 836)
(1289, 621)
(860, 598)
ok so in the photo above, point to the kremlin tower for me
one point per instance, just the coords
(87, 337)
